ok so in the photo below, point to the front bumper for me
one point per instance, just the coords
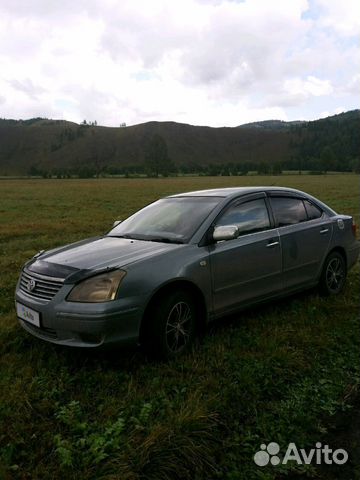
(84, 324)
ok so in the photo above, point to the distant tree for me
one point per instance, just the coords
(80, 131)
(314, 164)
(241, 169)
(277, 168)
(33, 171)
(157, 160)
(263, 168)
(328, 159)
(98, 153)
(355, 165)
(191, 167)
(214, 170)
(69, 134)
(86, 172)
(225, 171)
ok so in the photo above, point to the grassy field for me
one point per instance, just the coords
(283, 372)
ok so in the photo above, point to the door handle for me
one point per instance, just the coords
(272, 244)
(324, 230)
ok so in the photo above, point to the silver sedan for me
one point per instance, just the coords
(161, 275)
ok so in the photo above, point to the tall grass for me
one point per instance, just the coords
(281, 372)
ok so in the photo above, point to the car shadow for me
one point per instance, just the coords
(130, 358)
(242, 317)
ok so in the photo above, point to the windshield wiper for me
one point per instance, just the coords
(148, 238)
(131, 236)
(165, 240)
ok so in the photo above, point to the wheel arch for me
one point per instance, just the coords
(323, 286)
(340, 250)
(166, 289)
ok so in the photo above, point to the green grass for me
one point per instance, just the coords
(276, 373)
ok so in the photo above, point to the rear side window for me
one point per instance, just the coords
(249, 217)
(288, 211)
(312, 211)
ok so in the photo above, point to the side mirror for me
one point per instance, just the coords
(116, 223)
(225, 232)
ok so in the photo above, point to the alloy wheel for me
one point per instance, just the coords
(335, 275)
(178, 326)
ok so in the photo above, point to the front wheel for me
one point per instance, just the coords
(333, 275)
(170, 326)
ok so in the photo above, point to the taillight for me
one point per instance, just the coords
(354, 228)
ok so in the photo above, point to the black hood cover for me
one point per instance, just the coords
(51, 269)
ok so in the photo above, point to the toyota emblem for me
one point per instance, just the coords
(31, 285)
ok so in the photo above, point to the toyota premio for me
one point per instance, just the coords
(157, 278)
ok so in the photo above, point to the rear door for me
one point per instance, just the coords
(249, 266)
(305, 233)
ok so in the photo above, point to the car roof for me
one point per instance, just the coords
(234, 191)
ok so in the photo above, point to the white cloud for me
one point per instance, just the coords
(308, 87)
(341, 16)
(218, 62)
(353, 85)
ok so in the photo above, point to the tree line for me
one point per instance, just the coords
(157, 162)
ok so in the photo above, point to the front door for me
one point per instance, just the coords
(249, 266)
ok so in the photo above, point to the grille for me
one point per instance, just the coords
(43, 287)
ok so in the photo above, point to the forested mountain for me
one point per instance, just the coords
(272, 124)
(332, 141)
(40, 145)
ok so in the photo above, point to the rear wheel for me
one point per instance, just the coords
(170, 326)
(333, 275)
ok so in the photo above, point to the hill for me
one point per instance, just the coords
(272, 124)
(38, 145)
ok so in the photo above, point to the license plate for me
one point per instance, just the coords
(28, 314)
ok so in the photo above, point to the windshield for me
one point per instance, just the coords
(172, 220)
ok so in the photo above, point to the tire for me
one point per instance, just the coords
(171, 326)
(333, 275)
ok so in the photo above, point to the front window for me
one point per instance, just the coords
(172, 220)
(249, 217)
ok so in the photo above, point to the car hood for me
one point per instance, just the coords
(96, 254)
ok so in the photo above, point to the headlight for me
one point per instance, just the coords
(101, 288)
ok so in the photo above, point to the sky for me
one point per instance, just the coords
(203, 62)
